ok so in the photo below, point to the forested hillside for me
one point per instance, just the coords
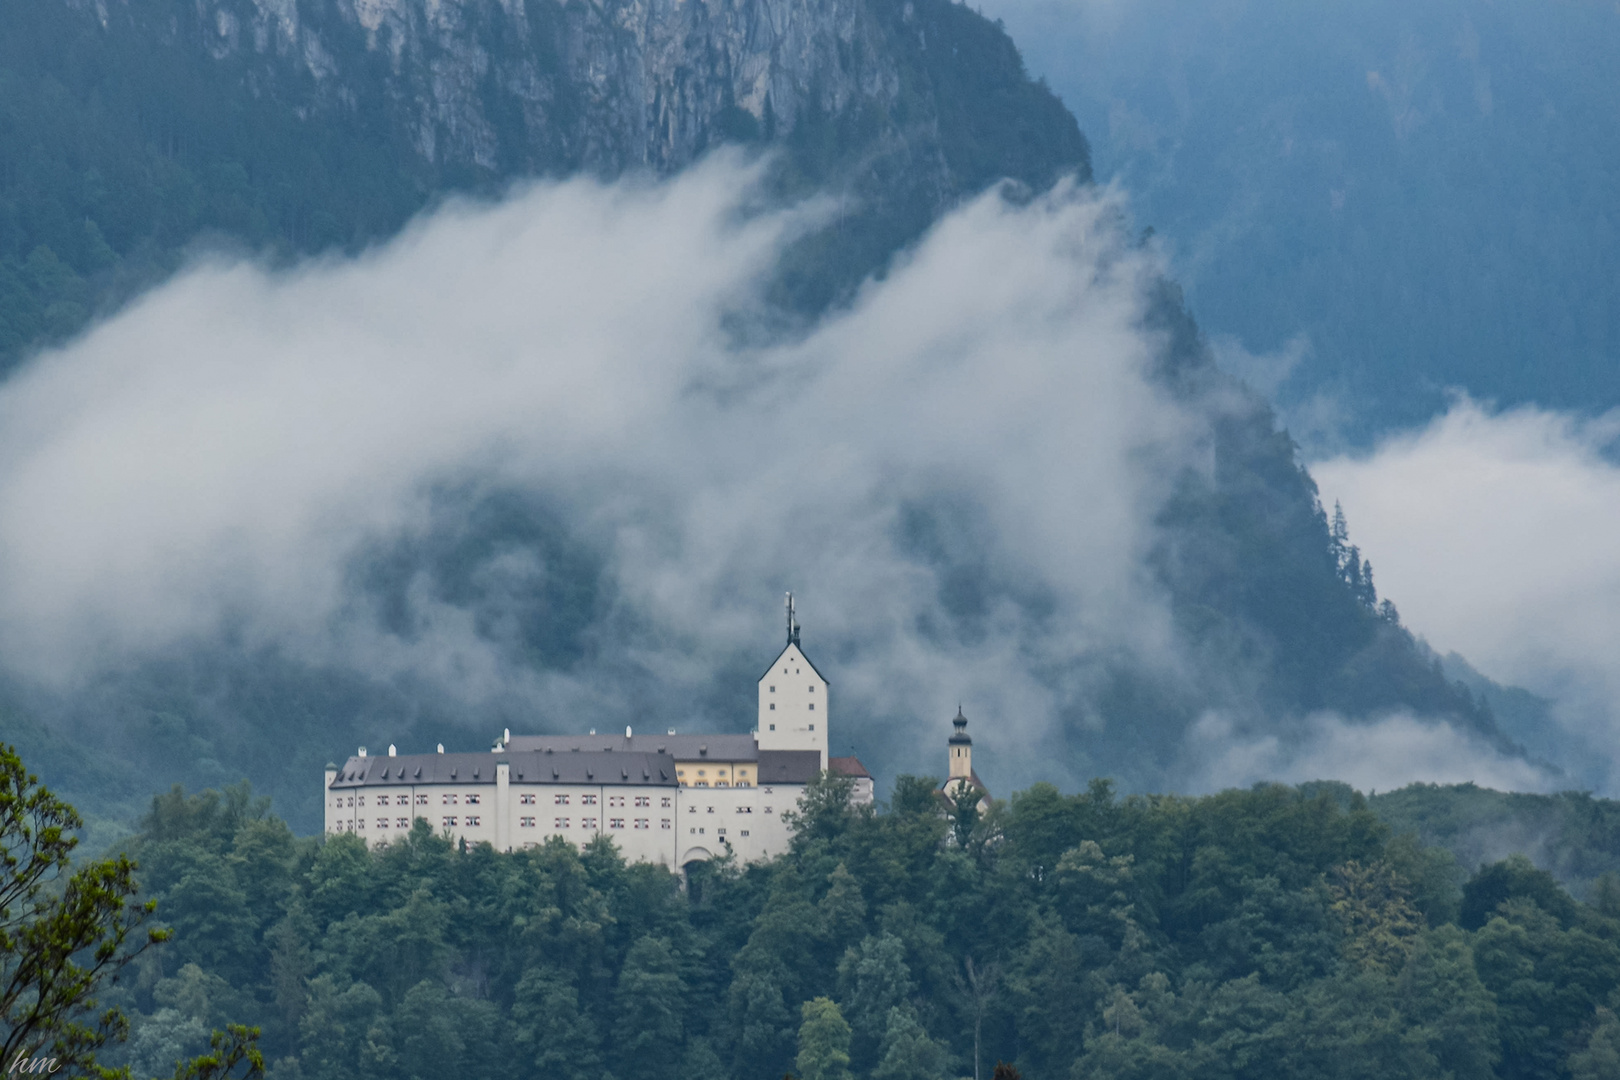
(1382, 200)
(1573, 835)
(129, 131)
(1265, 933)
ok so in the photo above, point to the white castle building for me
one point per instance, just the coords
(663, 798)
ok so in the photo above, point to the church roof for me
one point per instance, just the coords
(973, 778)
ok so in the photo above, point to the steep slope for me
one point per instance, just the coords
(1380, 200)
(133, 128)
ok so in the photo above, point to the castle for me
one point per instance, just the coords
(663, 798)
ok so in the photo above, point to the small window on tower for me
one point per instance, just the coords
(812, 727)
(812, 706)
(773, 706)
(773, 689)
(773, 727)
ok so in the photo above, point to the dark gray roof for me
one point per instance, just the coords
(533, 767)
(685, 747)
(788, 766)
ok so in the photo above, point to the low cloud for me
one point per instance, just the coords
(230, 455)
(1495, 533)
(1389, 753)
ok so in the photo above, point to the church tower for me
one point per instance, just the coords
(793, 700)
(961, 746)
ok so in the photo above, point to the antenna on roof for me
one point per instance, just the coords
(441, 748)
(792, 625)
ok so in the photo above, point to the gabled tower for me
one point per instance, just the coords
(793, 700)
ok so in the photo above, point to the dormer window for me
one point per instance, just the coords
(773, 689)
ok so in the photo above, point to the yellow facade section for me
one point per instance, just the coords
(711, 774)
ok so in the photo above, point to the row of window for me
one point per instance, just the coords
(812, 689)
(590, 823)
(740, 810)
(718, 832)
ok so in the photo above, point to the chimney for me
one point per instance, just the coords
(391, 751)
(441, 748)
(362, 751)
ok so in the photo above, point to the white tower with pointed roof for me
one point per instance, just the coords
(793, 699)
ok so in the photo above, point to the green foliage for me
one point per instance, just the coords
(1267, 934)
(65, 934)
(823, 1042)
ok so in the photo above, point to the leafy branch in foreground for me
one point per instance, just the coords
(65, 934)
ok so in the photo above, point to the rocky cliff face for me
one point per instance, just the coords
(298, 125)
(537, 86)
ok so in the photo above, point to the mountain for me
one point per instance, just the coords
(1371, 203)
(135, 128)
(140, 128)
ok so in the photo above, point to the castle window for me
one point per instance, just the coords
(642, 800)
(768, 810)
(692, 831)
(472, 819)
(641, 823)
(773, 689)
(812, 706)
(421, 800)
(560, 823)
(702, 773)
(745, 832)
(526, 800)
(450, 821)
(526, 822)
(616, 823)
(773, 709)
(615, 800)
(448, 800)
(560, 800)
(742, 783)
(382, 800)
(666, 822)
(588, 800)
(403, 822)
(472, 800)
(711, 809)
(773, 726)
(587, 823)
(721, 783)
(362, 800)
(812, 689)
(382, 823)
(664, 802)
